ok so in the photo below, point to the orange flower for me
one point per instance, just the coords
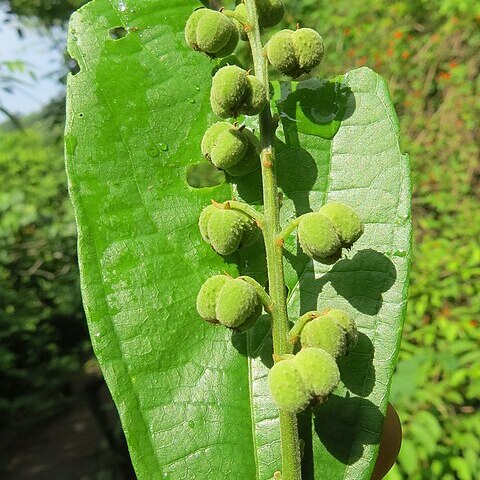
(444, 76)
(390, 52)
(405, 54)
(346, 31)
(398, 35)
(453, 64)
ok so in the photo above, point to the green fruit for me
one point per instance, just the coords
(234, 92)
(255, 98)
(309, 47)
(270, 12)
(287, 387)
(207, 297)
(251, 160)
(317, 236)
(348, 324)
(251, 320)
(228, 90)
(324, 332)
(191, 27)
(203, 221)
(236, 302)
(345, 220)
(251, 232)
(210, 137)
(295, 53)
(211, 32)
(225, 230)
(281, 53)
(318, 370)
(229, 149)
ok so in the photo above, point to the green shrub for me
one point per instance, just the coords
(41, 320)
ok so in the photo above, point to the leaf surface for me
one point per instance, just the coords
(192, 398)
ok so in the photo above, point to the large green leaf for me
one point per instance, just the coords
(192, 398)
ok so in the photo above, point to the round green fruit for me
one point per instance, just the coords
(308, 45)
(234, 92)
(207, 297)
(270, 12)
(317, 236)
(319, 372)
(287, 387)
(345, 220)
(348, 324)
(231, 149)
(225, 230)
(228, 90)
(203, 221)
(325, 333)
(211, 32)
(281, 53)
(255, 98)
(236, 302)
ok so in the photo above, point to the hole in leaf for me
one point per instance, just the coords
(73, 66)
(118, 32)
(203, 175)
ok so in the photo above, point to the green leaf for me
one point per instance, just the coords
(193, 398)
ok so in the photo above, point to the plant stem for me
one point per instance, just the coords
(290, 448)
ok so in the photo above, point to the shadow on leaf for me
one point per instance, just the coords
(337, 427)
(361, 280)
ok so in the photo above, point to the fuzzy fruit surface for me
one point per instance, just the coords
(325, 333)
(211, 32)
(236, 302)
(287, 387)
(318, 370)
(232, 302)
(310, 376)
(207, 297)
(345, 220)
(317, 236)
(226, 230)
(295, 53)
(235, 92)
(348, 324)
(231, 149)
(270, 12)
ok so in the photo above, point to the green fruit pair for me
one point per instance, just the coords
(212, 32)
(322, 234)
(227, 230)
(308, 377)
(335, 332)
(235, 92)
(295, 53)
(231, 149)
(233, 303)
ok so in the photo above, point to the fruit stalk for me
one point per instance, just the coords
(290, 448)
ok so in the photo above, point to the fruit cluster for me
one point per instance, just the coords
(311, 375)
(234, 303)
(308, 377)
(322, 234)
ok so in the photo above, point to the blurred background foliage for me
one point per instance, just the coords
(429, 53)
